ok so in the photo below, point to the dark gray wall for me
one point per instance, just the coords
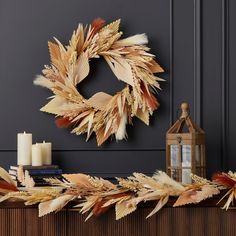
(193, 41)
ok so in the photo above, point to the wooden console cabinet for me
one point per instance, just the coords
(206, 219)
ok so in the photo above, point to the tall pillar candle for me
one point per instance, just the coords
(37, 158)
(47, 153)
(24, 145)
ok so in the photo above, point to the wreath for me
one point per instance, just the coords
(130, 61)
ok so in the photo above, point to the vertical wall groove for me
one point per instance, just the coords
(171, 72)
(225, 84)
(197, 63)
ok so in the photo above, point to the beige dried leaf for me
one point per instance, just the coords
(231, 193)
(196, 195)
(81, 68)
(28, 180)
(137, 39)
(113, 27)
(143, 116)
(61, 62)
(129, 184)
(146, 181)
(57, 182)
(54, 106)
(102, 184)
(85, 124)
(121, 68)
(159, 205)
(5, 176)
(40, 80)
(123, 210)
(163, 179)
(88, 203)
(101, 136)
(99, 100)
(14, 195)
(108, 126)
(55, 53)
(54, 205)
(80, 116)
(81, 180)
(116, 200)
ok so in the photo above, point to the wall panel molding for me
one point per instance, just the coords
(225, 84)
(171, 69)
(197, 62)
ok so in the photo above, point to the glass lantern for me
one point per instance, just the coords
(185, 148)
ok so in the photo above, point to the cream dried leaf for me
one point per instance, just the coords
(123, 210)
(121, 68)
(54, 205)
(99, 100)
(159, 205)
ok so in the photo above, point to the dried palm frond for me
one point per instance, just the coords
(24, 178)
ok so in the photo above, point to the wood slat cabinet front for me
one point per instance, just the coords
(194, 221)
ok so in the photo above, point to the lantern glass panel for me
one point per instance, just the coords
(186, 164)
(174, 151)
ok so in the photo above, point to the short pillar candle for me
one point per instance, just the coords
(47, 153)
(37, 159)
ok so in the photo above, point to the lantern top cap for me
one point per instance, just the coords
(185, 108)
(185, 120)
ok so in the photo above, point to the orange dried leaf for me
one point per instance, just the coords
(6, 187)
(150, 98)
(224, 179)
(102, 136)
(99, 209)
(54, 52)
(63, 122)
(155, 67)
(97, 24)
(196, 196)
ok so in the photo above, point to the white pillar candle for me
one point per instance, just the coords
(37, 159)
(24, 144)
(47, 153)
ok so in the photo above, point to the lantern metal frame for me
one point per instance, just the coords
(194, 137)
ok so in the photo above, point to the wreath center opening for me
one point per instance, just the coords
(100, 78)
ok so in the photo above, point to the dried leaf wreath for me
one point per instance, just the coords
(130, 61)
(94, 196)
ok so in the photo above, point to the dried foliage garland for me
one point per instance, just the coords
(130, 61)
(96, 195)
